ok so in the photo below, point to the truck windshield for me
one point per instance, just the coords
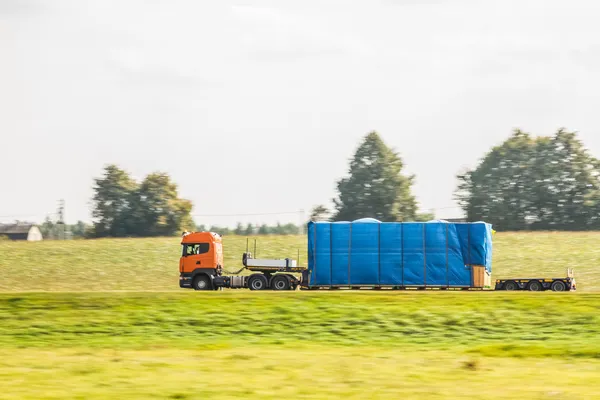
(193, 249)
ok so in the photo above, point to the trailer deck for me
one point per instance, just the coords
(538, 284)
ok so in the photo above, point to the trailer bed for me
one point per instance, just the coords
(538, 284)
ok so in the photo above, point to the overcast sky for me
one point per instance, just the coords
(256, 106)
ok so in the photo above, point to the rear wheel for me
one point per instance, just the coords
(535, 286)
(258, 282)
(280, 282)
(511, 285)
(292, 278)
(202, 282)
(558, 286)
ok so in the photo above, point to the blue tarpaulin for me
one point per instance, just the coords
(369, 252)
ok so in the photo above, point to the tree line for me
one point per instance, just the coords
(53, 230)
(534, 183)
(251, 230)
(525, 183)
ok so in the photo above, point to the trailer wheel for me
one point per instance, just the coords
(280, 282)
(558, 286)
(201, 282)
(258, 282)
(535, 286)
(511, 285)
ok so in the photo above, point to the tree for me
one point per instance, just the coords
(500, 190)
(567, 179)
(319, 213)
(49, 229)
(112, 202)
(79, 230)
(249, 230)
(375, 186)
(201, 228)
(239, 229)
(159, 211)
(220, 230)
(289, 229)
(121, 207)
(263, 230)
(424, 217)
(534, 183)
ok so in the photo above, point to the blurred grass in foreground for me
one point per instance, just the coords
(268, 345)
(152, 264)
(434, 319)
(276, 372)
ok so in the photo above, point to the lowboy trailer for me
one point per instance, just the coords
(364, 254)
(538, 284)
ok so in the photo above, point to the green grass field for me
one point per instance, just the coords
(152, 264)
(66, 330)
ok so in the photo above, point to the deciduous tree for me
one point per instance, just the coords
(534, 183)
(376, 186)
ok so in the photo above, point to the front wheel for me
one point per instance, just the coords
(511, 285)
(201, 282)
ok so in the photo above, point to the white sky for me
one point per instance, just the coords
(256, 106)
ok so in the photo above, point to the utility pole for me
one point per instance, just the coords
(61, 219)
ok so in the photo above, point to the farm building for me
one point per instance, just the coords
(21, 231)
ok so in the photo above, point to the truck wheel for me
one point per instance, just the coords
(511, 285)
(201, 282)
(558, 286)
(258, 282)
(293, 286)
(535, 286)
(280, 282)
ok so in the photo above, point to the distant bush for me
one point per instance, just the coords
(4, 237)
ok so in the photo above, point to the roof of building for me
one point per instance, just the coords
(19, 227)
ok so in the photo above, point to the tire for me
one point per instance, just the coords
(558, 286)
(292, 279)
(202, 282)
(258, 282)
(511, 285)
(535, 286)
(280, 282)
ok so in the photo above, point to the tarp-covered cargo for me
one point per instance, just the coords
(367, 252)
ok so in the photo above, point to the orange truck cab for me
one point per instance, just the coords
(201, 260)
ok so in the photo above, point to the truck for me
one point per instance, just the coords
(201, 267)
(364, 253)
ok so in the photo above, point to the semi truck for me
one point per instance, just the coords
(201, 267)
(365, 253)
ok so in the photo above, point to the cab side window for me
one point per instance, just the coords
(194, 249)
(203, 248)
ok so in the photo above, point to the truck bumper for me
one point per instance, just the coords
(185, 281)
